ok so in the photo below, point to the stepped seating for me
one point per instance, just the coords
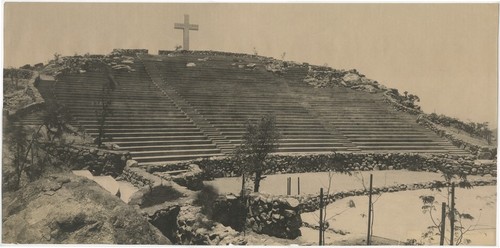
(143, 120)
(240, 95)
(372, 125)
(165, 111)
(228, 96)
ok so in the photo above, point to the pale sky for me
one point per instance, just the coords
(444, 53)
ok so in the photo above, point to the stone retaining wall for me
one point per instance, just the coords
(133, 176)
(265, 214)
(210, 53)
(129, 52)
(343, 162)
(472, 148)
(194, 228)
(97, 161)
(310, 203)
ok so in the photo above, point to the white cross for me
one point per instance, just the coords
(186, 27)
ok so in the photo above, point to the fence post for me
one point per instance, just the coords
(443, 223)
(452, 214)
(298, 185)
(288, 186)
(368, 235)
(321, 216)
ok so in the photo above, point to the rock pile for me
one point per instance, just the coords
(79, 64)
(321, 77)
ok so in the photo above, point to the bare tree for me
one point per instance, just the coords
(259, 141)
(454, 215)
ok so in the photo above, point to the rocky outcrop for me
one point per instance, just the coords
(66, 209)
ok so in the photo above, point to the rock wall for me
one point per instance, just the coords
(97, 161)
(274, 216)
(473, 149)
(310, 203)
(343, 162)
(136, 177)
(194, 228)
(129, 52)
(265, 214)
(209, 53)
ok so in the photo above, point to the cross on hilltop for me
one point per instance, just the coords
(185, 27)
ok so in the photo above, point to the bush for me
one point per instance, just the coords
(206, 199)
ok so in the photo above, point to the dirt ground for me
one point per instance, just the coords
(398, 216)
(310, 183)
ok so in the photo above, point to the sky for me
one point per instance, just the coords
(447, 54)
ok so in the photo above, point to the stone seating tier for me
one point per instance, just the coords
(164, 111)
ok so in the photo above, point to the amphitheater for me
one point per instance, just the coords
(177, 117)
(164, 111)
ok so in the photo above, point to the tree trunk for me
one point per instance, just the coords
(258, 177)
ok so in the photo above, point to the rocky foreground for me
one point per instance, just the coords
(66, 209)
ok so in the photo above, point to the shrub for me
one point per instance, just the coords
(206, 199)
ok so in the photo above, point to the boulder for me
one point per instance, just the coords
(484, 155)
(292, 202)
(351, 79)
(251, 65)
(131, 163)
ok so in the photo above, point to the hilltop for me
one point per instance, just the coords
(156, 131)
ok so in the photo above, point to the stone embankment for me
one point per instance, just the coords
(345, 162)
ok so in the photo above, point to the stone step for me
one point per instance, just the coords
(168, 147)
(148, 134)
(158, 138)
(180, 130)
(155, 153)
(126, 144)
(162, 159)
(310, 149)
(125, 126)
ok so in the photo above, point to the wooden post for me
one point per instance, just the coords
(298, 185)
(443, 223)
(368, 235)
(452, 214)
(288, 186)
(321, 216)
(242, 184)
